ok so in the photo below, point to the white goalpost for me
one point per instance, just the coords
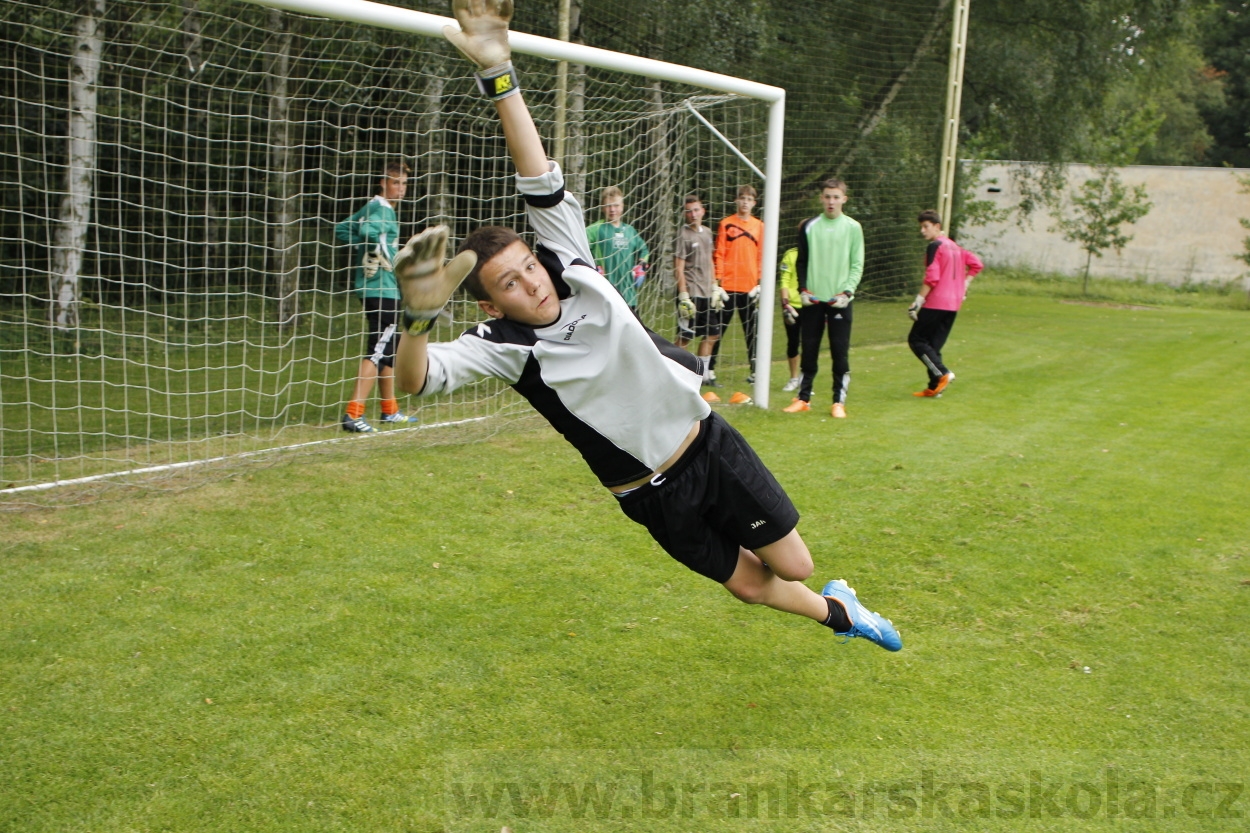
(173, 301)
(422, 23)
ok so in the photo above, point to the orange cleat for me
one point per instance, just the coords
(740, 398)
(711, 398)
(925, 392)
(797, 407)
(837, 411)
(943, 382)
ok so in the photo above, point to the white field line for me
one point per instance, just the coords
(40, 487)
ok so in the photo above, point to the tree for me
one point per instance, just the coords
(75, 213)
(1102, 206)
(1224, 43)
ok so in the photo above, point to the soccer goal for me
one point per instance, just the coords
(172, 294)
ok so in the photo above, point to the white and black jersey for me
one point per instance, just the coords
(622, 395)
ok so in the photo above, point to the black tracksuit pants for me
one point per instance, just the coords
(927, 337)
(813, 322)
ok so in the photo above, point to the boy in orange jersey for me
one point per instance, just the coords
(739, 258)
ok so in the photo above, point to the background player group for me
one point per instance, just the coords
(564, 338)
(716, 278)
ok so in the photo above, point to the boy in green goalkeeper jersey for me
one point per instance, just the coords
(620, 253)
(374, 231)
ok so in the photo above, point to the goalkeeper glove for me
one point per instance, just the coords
(483, 34)
(640, 274)
(425, 280)
(719, 298)
(370, 264)
(807, 299)
(913, 312)
(790, 314)
(841, 301)
(685, 306)
(754, 295)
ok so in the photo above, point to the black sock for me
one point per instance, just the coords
(838, 620)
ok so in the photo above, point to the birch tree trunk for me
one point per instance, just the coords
(662, 162)
(438, 208)
(284, 213)
(74, 217)
(575, 151)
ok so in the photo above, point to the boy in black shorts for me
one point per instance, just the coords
(627, 399)
(374, 231)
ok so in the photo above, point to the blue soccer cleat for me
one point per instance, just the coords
(871, 626)
(398, 418)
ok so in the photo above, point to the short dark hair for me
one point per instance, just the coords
(691, 198)
(833, 182)
(929, 216)
(394, 168)
(487, 241)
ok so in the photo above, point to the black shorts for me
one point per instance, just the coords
(382, 316)
(706, 322)
(717, 497)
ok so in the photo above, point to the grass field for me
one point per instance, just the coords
(453, 639)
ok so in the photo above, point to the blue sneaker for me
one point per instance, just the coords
(871, 626)
(398, 418)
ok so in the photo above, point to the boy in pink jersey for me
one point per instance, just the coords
(948, 269)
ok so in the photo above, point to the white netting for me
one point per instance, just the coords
(214, 314)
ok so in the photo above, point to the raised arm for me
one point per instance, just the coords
(483, 39)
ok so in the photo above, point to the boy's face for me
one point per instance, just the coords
(519, 288)
(694, 213)
(833, 199)
(394, 187)
(746, 203)
(613, 209)
(930, 230)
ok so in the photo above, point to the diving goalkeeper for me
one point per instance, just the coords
(627, 399)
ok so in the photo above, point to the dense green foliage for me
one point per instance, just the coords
(1109, 81)
(311, 649)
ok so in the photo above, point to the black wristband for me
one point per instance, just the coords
(498, 82)
(419, 323)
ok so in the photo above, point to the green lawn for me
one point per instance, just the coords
(458, 638)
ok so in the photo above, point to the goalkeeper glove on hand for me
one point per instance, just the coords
(483, 34)
(807, 299)
(425, 280)
(913, 312)
(685, 306)
(719, 298)
(640, 274)
(790, 314)
(754, 295)
(841, 301)
(384, 259)
(370, 265)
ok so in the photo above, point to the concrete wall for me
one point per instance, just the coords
(1192, 232)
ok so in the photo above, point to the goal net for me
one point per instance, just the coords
(172, 294)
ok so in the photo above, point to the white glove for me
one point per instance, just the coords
(807, 299)
(790, 314)
(483, 34)
(719, 298)
(685, 306)
(370, 264)
(754, 295)
(913, 312)
(384, 259)
(841, 301)
(425, 281)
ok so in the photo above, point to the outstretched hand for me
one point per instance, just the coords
(425, 281)
(483, 34)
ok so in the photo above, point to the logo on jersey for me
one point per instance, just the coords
(758, 524)
(482, 330)
(571, 326)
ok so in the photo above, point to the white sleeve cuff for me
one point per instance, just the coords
(541, 186)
